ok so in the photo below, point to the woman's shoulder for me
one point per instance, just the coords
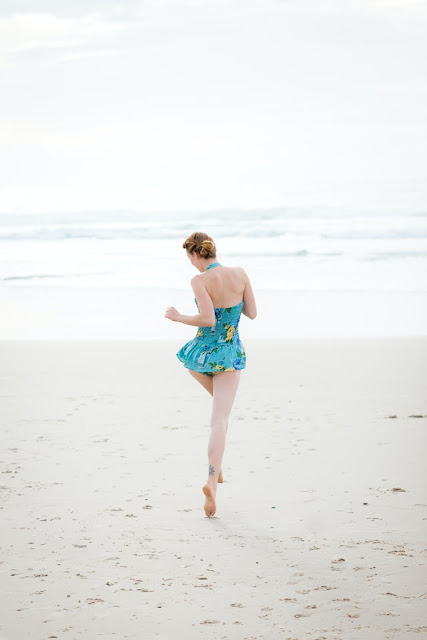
(240, 273)
(238, 270)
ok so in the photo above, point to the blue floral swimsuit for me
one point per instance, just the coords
(218, 348)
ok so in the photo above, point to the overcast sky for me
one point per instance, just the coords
(173, 104)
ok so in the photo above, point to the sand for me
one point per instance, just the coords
(321, 521)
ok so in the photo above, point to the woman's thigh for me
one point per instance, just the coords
(225, 387)
(205, 381)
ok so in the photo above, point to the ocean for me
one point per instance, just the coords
(301, 260)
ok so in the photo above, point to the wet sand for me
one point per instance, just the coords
(321, 524)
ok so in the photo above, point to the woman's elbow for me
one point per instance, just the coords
(208, 322)
(251, 312)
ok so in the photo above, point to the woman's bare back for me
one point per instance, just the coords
(228, 286)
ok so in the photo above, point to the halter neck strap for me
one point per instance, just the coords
(214, 264)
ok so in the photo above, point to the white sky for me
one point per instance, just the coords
(163, 104)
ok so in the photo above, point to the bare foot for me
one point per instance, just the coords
(220, 478)
(210, 505)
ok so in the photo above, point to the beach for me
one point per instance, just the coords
(321, 523)
(292, 134)
(95, 313)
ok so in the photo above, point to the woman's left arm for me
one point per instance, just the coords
(206, 317)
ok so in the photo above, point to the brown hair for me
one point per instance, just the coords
(200, 243)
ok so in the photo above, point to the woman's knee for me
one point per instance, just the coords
(219, 422)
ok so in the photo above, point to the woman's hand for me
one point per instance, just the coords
(173, 314)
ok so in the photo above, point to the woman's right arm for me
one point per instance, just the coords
(249, 305)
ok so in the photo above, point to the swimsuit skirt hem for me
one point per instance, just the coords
(228, 357)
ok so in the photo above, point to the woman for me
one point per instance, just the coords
(215, 356)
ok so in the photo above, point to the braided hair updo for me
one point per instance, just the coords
(200, 243)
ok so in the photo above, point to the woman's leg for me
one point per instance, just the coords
(224, 391)
(207, 383)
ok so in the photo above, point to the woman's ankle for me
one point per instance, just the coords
(212, 484)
